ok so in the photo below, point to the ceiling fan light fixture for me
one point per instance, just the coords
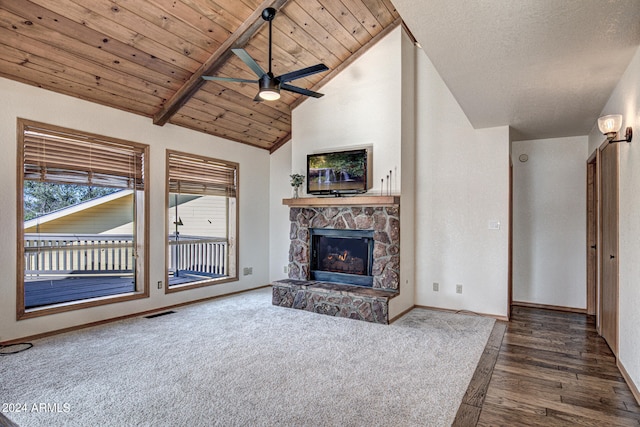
(269, 88)
(269, 94)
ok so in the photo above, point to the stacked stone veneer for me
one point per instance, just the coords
(333, 299)
(384, 221)
(355, 302)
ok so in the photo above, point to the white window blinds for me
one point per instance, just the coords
(189, 174)
(60, 156)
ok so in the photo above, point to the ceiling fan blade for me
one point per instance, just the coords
(229, 79)
(301, 91)
(247, 59)
(287, 77)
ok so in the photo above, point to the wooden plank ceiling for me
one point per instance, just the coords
(147, 56)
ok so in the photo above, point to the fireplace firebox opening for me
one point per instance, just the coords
(342, 256)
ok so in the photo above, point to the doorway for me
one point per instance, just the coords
(608, 310)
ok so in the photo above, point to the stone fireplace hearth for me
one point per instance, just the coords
(347, 292)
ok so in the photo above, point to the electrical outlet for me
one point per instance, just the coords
(286, 269)
(436, 286)
(247, 271)
(159, 284)
(458, 289)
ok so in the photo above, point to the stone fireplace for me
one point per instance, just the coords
(343, 260)
(341, 256)
(382, 222)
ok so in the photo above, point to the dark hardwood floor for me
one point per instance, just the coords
(547, 368)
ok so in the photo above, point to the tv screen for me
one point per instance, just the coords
(337, 172)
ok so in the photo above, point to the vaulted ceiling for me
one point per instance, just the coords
(148, 56)
(544, 67)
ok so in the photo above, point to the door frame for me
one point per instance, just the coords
(510, 237)
(593, 234)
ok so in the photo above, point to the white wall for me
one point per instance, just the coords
(549, 222)
(625, 100)
(406, 299)
(361, 107)
(280, 188)
(462, 183)
(28, 102)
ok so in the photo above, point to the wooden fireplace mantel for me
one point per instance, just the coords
(302, 202)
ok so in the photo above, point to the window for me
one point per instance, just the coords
(202, 221)
(82, 198)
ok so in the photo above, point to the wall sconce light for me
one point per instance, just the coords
(610, 125)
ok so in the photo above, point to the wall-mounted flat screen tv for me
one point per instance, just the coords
(338, 172)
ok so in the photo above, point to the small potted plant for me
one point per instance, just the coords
(296, 182)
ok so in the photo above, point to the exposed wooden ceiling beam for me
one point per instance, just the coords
(237, 40)
(280, 142)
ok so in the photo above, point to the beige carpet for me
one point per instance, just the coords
(239, 361)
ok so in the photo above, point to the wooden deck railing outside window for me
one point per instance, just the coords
(65, 254)
(198, 254)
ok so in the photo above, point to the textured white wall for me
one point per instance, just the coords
(361, 107)
(625, 100)
(549, 222)
(462, 183)
(408, 160)
(280, 188)
(28, 102)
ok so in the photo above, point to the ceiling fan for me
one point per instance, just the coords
(269, 84)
